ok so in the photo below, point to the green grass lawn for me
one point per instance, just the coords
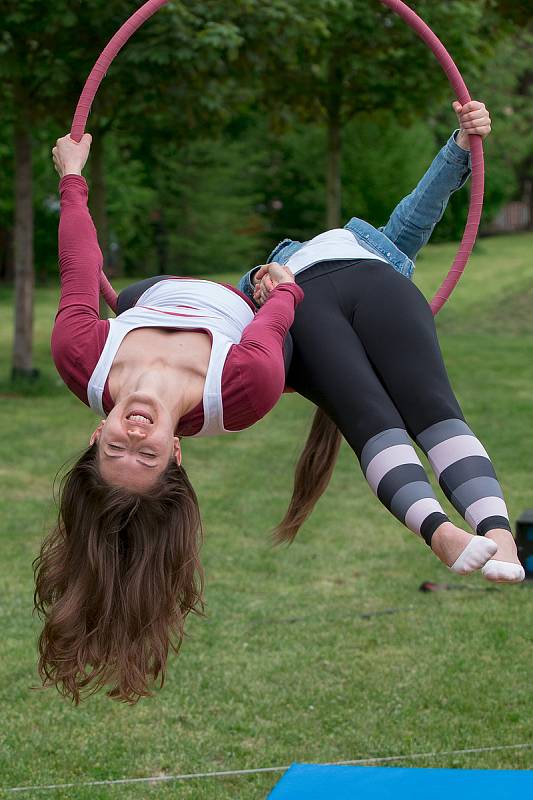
(285, 667)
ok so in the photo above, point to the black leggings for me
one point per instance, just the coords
(366, 351)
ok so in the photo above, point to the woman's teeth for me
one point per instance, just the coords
(138, 418)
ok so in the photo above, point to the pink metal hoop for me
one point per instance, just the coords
(420, 28)
(476, 150)
(91, 87)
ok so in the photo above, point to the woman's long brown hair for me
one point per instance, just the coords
(313, 473)
(115, 581)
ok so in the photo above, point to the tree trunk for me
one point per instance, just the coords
(6, 255)
(97, 201)
(22, 365)
(334, 145)
(527, 189)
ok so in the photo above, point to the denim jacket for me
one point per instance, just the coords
(410, 224)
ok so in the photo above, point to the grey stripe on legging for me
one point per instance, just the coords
(408, 495)
(475, 489)
(441, 431)
(398, 477)
(394, 472)
(465, 473)
(381, 441)
(464, 470)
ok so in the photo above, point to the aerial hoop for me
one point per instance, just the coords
(92, 83)
(419, 27)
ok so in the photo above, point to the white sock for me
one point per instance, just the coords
(503, 572)
(475, 555)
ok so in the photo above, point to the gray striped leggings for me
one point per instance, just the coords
(366, 351)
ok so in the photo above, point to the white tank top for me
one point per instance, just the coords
(181, 304)
(336, 244)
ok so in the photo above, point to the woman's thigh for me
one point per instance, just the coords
(395, 331)
(331, 368)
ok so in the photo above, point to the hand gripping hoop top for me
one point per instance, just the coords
(420, 28)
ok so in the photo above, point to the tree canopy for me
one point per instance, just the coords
(219, 121)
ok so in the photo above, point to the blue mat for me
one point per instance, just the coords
(316, 782)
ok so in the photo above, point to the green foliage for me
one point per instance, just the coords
(209, 206)
(131, 198)
(357, 58)
(206, 87)
(514, 13)
(506, 87)
(359, 54)
(383, 161)
(509, 84)
(295, 201)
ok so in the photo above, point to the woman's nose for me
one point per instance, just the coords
(134, 433)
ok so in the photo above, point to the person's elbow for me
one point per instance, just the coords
(268, 388)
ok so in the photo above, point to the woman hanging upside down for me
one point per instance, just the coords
(366, 353)
(121, 571)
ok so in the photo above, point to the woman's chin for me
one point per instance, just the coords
(142, 403)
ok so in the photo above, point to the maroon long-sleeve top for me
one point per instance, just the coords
(253, 376)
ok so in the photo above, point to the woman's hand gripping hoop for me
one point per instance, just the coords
(70, 156)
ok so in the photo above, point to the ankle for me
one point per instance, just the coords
(447, 533)
(448, 542)
(499, 533)
(506, 544)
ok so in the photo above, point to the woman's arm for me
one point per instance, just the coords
(80, 257)
(413, 220)
(78, 334)
(259, 356)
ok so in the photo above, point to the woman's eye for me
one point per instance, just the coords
(115, 447)
(148, 455)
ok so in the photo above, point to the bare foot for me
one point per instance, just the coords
(505, 566)
(459, 550)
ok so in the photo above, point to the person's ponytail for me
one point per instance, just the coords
(312, 475)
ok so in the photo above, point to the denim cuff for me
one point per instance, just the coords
(455, 154)
(246, 285)
(246, 282)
